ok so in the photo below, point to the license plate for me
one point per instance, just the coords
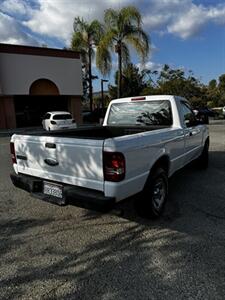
(52, 189)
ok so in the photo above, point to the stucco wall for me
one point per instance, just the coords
(18, 72)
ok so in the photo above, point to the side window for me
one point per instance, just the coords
(188, 115)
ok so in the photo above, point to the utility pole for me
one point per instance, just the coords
(102, 91)
(90, 80)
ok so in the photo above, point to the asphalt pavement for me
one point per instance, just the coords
(52, 252)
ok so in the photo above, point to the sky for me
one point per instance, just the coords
(188, 34)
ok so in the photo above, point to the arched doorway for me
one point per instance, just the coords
(43, 87)
(43, 96)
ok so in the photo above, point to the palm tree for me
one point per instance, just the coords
(123, 28)
(85, 38)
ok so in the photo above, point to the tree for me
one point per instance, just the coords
(133, 83)
(221, 84)
(221, 87)
(213, 94)
(175, 82)
(85, 38)
(216, 92)
(212, 84)
(123, 28)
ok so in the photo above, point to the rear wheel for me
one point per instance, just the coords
(154, 195)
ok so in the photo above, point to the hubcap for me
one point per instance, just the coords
(159, 193)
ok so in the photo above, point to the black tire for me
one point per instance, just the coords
(203, 159)
(156, 187)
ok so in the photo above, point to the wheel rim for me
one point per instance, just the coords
(159, 194)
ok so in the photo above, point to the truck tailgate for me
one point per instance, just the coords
(66, 160)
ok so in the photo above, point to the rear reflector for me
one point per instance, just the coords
(138, 98)
(13, 153)
(114, 166)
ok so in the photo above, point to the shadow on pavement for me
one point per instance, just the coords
(180, 254)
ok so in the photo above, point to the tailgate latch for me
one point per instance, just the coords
(50, 145)
(51, 162)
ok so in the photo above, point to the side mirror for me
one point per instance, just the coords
(193, 122)
(187, 123)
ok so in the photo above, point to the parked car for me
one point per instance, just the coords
(142, 142)
(57, 120)
(223, 112)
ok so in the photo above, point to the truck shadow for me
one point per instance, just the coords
(135, 259)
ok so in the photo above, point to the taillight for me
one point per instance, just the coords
(138, 99)
(53, 122)
(13, 153)
(114, 166)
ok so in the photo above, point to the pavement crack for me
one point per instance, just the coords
(207, 213)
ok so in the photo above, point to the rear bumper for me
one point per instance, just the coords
(73, 195)
(62, 127)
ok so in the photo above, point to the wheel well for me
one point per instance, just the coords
(162, 162)
(207, 141)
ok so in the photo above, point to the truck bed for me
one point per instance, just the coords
(98, 132)
(73, 157)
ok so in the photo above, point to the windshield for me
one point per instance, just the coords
(141, 113)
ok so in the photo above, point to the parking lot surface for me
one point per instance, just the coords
(52, 252)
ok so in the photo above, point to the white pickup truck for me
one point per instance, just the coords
(142, 142)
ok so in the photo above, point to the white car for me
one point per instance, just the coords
(224, 112)
(57, 120)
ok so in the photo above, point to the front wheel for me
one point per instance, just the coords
(155, 194)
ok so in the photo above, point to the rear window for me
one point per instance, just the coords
(141, 113)
(62, 117)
